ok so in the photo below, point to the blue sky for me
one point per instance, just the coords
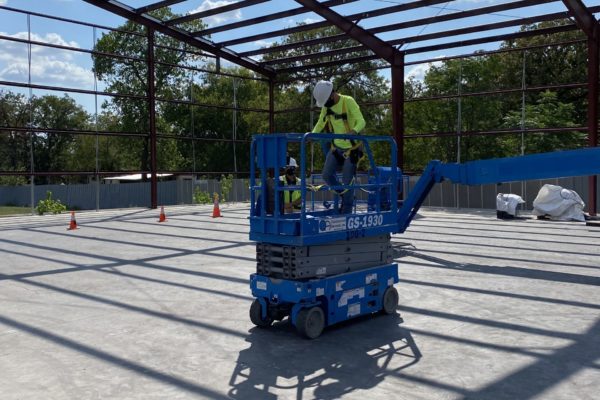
(70, 69)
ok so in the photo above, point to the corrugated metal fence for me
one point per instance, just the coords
(137, 194)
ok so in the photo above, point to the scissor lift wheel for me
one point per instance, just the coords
(390, 300)
(256, 315)
(310, 322)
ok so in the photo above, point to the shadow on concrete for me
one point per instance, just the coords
(506, 271)
(502, 294)
(140, 369)
(509, 224)
(133, 308)
(117, 262)
(503, 247)
(451, 231)
(356, 355)
(541, 375)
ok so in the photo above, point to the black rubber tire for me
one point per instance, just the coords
(310, 322)
(390, 300)
(256, 315)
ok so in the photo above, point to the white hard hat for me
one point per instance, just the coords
(322, 92)
(292, 163)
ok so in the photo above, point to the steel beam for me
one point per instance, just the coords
(376, 45)
(157, 5)
(125, 11)
(214, 11)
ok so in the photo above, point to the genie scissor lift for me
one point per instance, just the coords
(319, 267)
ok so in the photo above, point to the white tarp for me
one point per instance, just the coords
(508, 203)
(559, 203)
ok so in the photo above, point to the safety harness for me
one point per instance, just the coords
(329, 126)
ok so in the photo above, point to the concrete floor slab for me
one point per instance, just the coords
(128, 308)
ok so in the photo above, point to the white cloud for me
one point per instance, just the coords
(263, 43)
(419, 71)
(310, 20)
(3, 2)
(48, 65)
(219, 18)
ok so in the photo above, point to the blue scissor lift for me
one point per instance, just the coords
(319, 267)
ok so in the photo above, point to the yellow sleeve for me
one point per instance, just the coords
(321, 121)
(355, 117)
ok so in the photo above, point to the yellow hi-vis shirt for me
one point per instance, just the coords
(355, 120)
(296, 195)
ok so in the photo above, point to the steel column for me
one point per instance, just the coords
(271, 105)
(398, 106)
(588, 24)
(152, 118)
(593, 65)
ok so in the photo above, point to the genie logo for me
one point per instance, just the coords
(332, 224)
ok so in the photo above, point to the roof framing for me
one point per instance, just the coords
(130, 13)
(368, 46)
(401, 25)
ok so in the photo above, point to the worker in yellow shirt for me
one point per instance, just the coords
(292, 199)
(339, 114)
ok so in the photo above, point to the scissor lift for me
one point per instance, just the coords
(319, 267)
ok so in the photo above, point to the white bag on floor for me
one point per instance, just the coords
(559, 203)
(508, 203)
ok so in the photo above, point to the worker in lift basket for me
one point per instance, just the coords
(339, 114)
(292, 199)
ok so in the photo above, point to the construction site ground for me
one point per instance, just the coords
(127, 308)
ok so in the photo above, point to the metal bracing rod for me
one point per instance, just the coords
(323, 24)
(214, 11)
(125, 11)
(266, 18)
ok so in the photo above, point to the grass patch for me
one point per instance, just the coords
(8, 210)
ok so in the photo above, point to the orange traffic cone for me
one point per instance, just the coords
(162, 217)
(216, 211)
(73, 223)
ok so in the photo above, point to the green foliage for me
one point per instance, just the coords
(13, 180)
(201, 197)
(193, 118)
(226, 186)
(50, 205)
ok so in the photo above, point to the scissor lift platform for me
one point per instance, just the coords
(317, 302)
(320, 301)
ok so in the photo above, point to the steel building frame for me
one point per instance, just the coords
(368, 47)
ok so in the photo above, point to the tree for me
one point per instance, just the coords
(14, 144)
(129, 76)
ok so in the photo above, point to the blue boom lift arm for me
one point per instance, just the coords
(557, 164)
